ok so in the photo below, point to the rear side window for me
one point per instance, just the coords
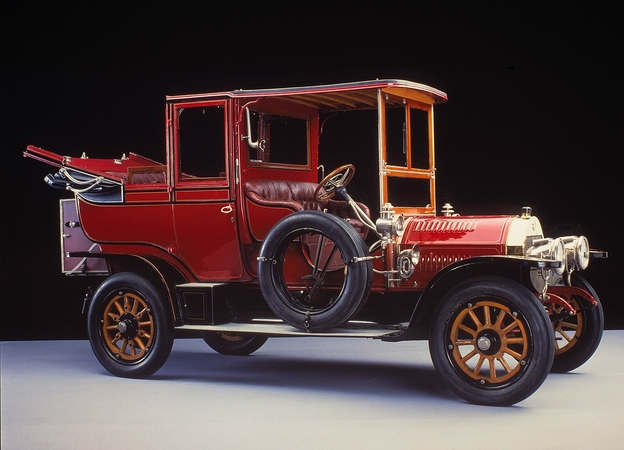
(201, 142)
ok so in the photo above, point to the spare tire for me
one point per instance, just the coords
(313, 270)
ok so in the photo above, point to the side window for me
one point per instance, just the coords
(408, 172)
(396, 133)
(278, 139)
(201, 142)
(419, 131)
(397, 148)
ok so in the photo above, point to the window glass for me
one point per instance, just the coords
(409, 192)
(201, 142)
(396, 145)
(278, 139)
(419, 136)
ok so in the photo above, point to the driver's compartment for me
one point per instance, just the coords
(267, 201)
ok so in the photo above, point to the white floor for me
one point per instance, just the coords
(305, 393)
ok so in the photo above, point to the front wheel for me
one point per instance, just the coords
(130, 332)
(492, 342)
(239, 344)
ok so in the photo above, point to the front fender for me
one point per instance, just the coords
(511, 267)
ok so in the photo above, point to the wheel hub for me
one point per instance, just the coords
(484, 343)
(488, 342)
(128, 326)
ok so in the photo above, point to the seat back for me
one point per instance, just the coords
(270, 200)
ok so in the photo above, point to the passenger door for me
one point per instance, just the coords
(203, 207)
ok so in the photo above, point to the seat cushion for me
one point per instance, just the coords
(298, 196)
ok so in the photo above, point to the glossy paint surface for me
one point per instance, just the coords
(200, 219)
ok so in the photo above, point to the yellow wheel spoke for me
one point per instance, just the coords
(567, 325)
(486, 316)
(477, 368)
(469, 355)
(139, 343)
(509, 328)
(492, 369)
(518, 340)
(565, 335)
(143, 334)
(135, 307)
(504, 364)
(468, 330)
(475, 319)
(517, 356)
(499, 320)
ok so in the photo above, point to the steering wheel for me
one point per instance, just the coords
(339, 177)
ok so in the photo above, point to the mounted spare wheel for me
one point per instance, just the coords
(313, 270)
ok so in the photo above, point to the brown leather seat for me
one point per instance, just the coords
(142, 175)
(299, 196)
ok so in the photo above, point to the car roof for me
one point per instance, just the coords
(331, 97)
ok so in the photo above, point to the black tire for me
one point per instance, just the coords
(130, 332)
(577, 337)
(239, 344)
(330, 288)
(491, 341)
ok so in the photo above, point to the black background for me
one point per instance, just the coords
(534, 114)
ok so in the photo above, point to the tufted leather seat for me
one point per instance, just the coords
(142, 175)
(298, 196)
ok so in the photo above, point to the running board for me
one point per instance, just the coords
(279, 328)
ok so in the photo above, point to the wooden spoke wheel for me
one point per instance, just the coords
(130, 332)
(577, 337)
(229, 343)
(491, 341)
(127, 326)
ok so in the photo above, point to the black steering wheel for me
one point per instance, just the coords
(339, 177)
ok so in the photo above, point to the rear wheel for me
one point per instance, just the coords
(130, 332)
(492, 342)
(313, 270)
(577, 337)
(240, 344)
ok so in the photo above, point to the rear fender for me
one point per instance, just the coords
(159, 272)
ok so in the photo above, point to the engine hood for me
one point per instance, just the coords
(498, 234)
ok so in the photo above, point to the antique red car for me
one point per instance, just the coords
(234, 237)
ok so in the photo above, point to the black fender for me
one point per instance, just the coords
(160, 273)
(511, 267)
